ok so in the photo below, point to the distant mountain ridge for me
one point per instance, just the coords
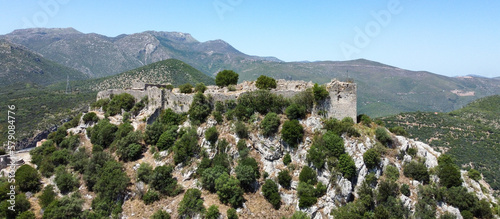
(382, 89)
(99, 55)
(20, 65)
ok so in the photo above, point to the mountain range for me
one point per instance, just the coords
(382, 89)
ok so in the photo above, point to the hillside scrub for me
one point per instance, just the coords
(292, 132)
(270, 124)
(226, 77)
(265, 82)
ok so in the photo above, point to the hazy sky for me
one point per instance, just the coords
(445, 37)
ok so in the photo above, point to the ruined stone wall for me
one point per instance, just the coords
(340, 103)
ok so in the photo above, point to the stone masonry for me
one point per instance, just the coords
(340, 103)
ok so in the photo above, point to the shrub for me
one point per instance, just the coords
(320, 93)
(271, 193)
(316, 155)
(26, 215)
(371, 158)
(130, 152)
(304, 98)
(226, 77)
(212, 212)
(150, 197)
(123, 101)
(218, 116)
(191, 204)
(392, 173)
(299, 215)
(169, 117)
(66, 207)
(212, 135)
(60, 157)
(308, 175)
(412, 152)
(103, 133)
(448, 173)
(292, 132)
(209, 176)
(295, 111)
(398, 130)
(228, 190)
(334, 144)
(70, 142)
(250, 161)
(270, 124)
(386, 189)
(112, 180)
(405, 189)
(200, 87)
(307, 195)
(417, 171)
(144, 172)
(246, 175)
(48, 196)
(382, 135)
(241, 129)
(160, 214)
(285, 179)
(242, 148)
(186, 146)
(287, 159)
(200, 108)
(169, 87)
(265, 82)
(262, 101)
(162, 181)
(474, 174)
(167, 139)
(231, 213)
(347, 166)
(365, 120)
(27, 178)
(90, 117)
(186, 88)
(65, 181)
(58, 136)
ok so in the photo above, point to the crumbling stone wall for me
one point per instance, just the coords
(340, 103)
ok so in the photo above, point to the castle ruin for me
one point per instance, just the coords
(340, 103)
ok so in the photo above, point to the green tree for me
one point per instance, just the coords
(48, 196)
(231, 213)
(448, 172)
(209, 176)
(292, 132)
(162, 181)
(169, 117)
(103, 133)
(153, 132)
(27, 178)
(299, 215)
(186, 146)
(287, 159)
(474, 174)
(26, 215)
(112, 180)
(150, 197)
(212, 212)
(391, 173)
(212, 135)
(160, 214)
(307, 195)
(308, 175)
(66, 207)
(200, 108)
(382, 135)
(285, 179)
(316, 155)
(167, 139)
(417, 171)
(320, 93)
(347, 166)
(186, 88)
(270, 124)
(90, 117)
(371, 158)
(229, 190)
(334, 144)
(65, 181)
(200, 87)
(271, 193)
(123, 101)
(246, 175)
(295, 111)
(191, 204)
(144, 172)
(60, 157)
(226, 77)
(265, 82)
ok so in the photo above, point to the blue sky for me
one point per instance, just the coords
(444, 37)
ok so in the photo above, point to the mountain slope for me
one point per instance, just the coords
(382, 90)
(471, 134)
(99, 55)
(170, 71)
(19, 65)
